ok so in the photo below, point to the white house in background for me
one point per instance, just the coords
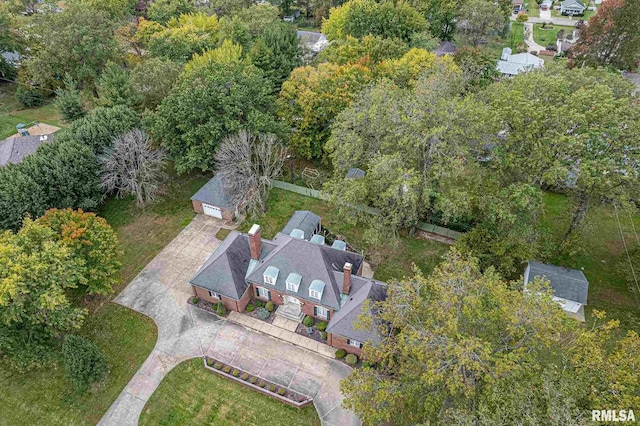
(511, 65)
(570, 286)
(572, 8)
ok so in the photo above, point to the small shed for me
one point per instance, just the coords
(355, 173)
(15, 149)
(570, 286)
(445, 48)
(212, 200)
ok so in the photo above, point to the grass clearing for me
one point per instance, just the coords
(389, 263)
(546, 37)
(12, 113)
(190, 394)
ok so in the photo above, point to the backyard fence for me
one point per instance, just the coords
(314, 193)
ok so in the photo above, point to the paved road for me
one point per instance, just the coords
(161, 290)
(558, 21)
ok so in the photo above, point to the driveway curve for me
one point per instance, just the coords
(161, 291)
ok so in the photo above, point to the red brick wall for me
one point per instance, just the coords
(278, 299)
(227, 215)
(340, 342)
(229, 303)
(197, 206)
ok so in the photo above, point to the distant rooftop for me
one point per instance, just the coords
(15, 149)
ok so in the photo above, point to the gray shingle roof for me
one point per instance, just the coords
(344, 320)
(213, 193)
(355, 173)
(445, 48)
(224, 272)
(14, 150)
(304, 220)
(312, 261)
(569, 284)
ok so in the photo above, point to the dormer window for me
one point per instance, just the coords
(316, 289)
(293, 282)
(271, 275)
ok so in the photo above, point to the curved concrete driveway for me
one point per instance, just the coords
(161, 291)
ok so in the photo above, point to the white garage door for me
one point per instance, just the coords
(212, 211)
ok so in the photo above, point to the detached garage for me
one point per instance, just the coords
(212, 200)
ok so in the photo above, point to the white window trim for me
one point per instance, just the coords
(215, 295)
(269, 280)
(262, 289)
(322, 312)
(354, 343)
(315, 294)
(292, 286)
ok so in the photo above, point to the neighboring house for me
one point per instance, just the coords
(546, 5)
(15, 149)
(315, 42)
(511, 65)
(572, 8)
(355, 173)
(445, 48)
(518, 5)
(212, 200)
(570, 286)
(300, 277)
(564, 46)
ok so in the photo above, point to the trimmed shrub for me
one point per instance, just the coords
(226, 369)
(367, 364)
(308, 321)
(351, 359)
(340, 353)
(262, 313)
(84, 363)
(269, 306)
(259, 304)
(322, 326)
(250, 308)
(28, 97)
(235, 373)
(323, 335)
(272, 387)
(282, 391)
(195, 300)
(217, 365)
(254, 380)
(262, 384)
(221, 310)
(209, 362)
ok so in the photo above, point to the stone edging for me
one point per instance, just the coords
(308, 400)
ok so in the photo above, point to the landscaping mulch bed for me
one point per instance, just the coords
(266, 387)
(207, 306)
(254, 313)
(302, 330)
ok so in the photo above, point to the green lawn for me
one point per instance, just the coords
(393, 261)
(545, 37)
(12, 113)
(126, 337)
(192, 395)
(599, 249)
(516, 36)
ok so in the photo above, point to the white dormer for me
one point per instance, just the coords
(271, 275)
(316, 289)
(293, 282)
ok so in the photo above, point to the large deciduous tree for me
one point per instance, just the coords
(152, 80)
(114, 87)
(359, 18)
(481, 18)
(441, 15)
(162, 11)
(277, 52)
(611, 38)
(465, 347)
(219, 93)
(247, 163)
(131, 166)
(78, 42)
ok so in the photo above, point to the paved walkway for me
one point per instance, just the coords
(285, 330)
(532, 46)
(161, 291)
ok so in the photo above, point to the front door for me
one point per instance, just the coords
(291, 306)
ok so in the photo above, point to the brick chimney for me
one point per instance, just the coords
(255, 241)
(346, 283)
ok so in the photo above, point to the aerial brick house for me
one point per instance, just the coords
(296, 271)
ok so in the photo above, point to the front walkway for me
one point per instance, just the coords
(284, 330)
(528, 38)
(161, 291)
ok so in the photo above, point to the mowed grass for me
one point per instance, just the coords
(191, 395)
(12, 113)
(394, 261)
(126, 337)
(546, 37)
(44, 396)
(598, 251)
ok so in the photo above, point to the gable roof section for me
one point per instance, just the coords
(213, 193)
(573, 3)
(569, 284)
(304, 220)
(224, 272)
(312, 262)
(14, 150)
(344, 320)
(355, 173)
(445, 48)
